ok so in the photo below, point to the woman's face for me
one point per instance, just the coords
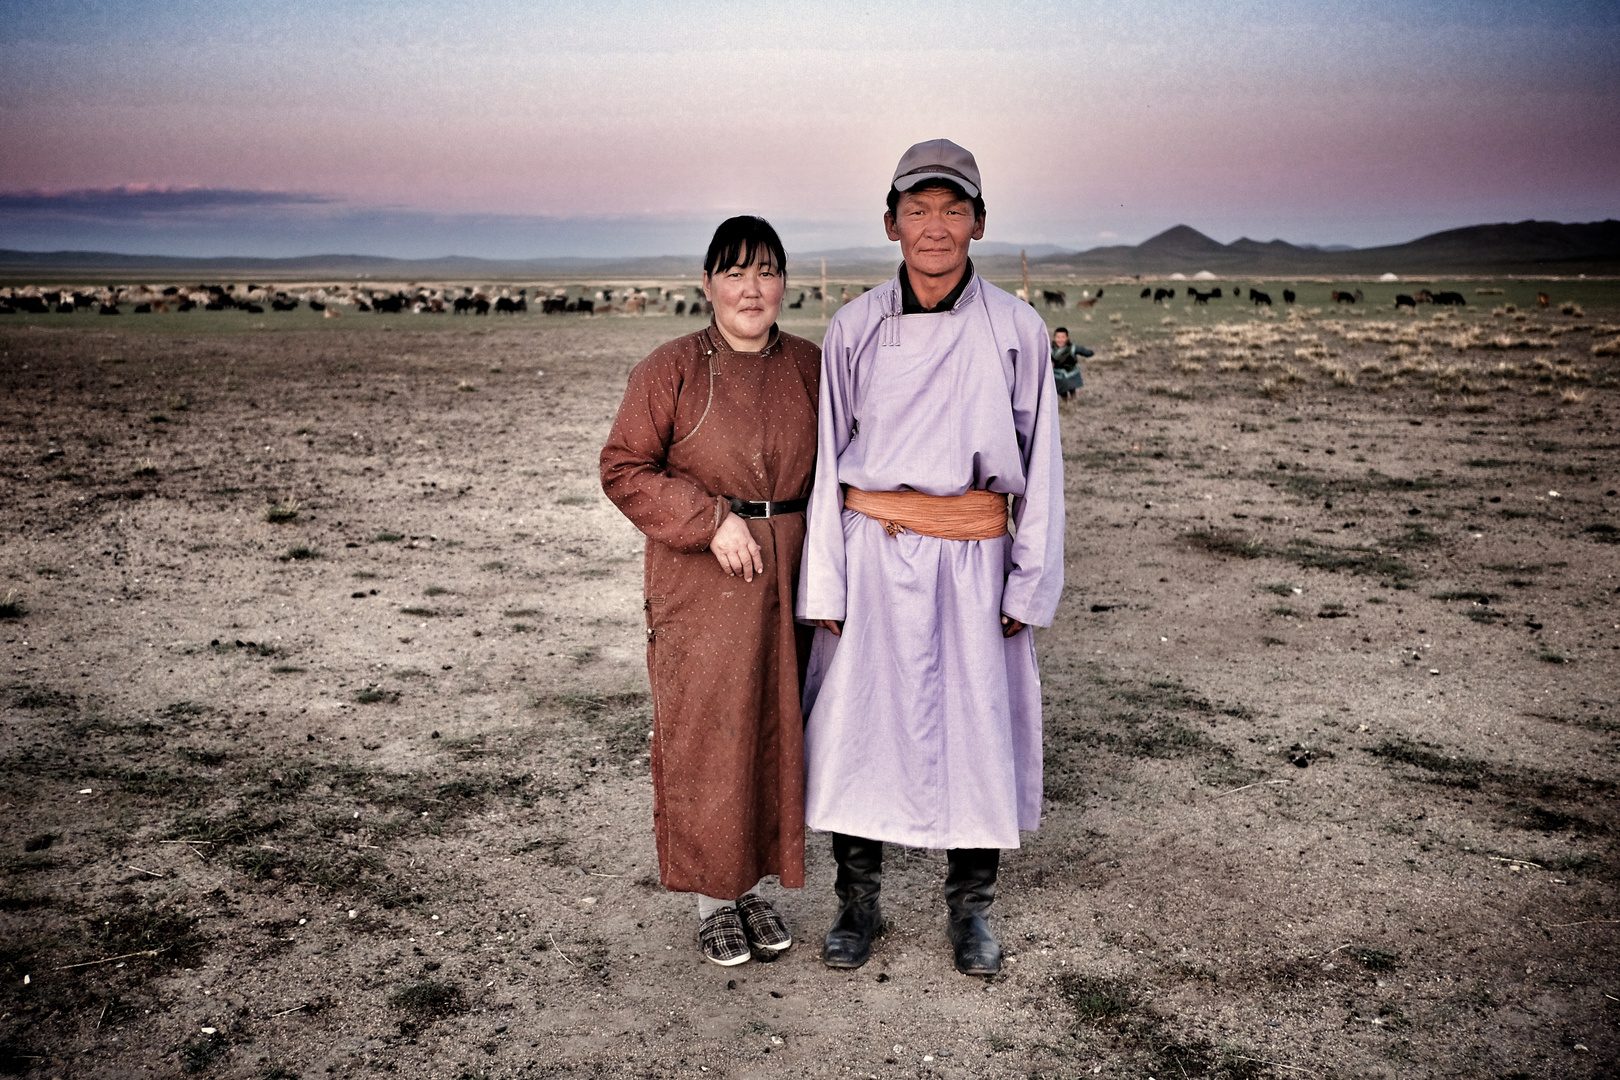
(746, 301)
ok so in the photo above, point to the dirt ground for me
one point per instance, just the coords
(325, 715)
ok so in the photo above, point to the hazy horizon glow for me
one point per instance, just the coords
(506, 130)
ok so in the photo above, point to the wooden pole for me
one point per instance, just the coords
(1023, 257)
(823, 290)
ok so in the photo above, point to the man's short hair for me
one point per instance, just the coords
(1060, 330)
(739, 241)
(938, 185)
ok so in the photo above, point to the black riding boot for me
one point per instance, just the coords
(970, 889)
(860, 874)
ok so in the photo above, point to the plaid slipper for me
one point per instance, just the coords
(722, 938)
(764, 926)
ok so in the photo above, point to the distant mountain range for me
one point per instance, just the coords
(1525, 247)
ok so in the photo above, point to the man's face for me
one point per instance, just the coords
(934, 226)
(1061, 338)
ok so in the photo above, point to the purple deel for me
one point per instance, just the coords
(924, 723)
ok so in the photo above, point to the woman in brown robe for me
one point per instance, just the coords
(711, 456)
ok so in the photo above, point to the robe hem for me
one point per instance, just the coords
(719, 888)
(913, 838)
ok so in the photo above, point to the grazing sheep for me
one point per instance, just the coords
(1402, 300)
(1288, 295)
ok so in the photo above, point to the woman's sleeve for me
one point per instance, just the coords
(674, 510)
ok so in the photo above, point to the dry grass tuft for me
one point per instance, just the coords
(281, 512)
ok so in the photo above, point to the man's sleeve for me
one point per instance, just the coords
(822, 566)
(1035, 575)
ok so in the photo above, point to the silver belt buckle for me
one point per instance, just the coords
(767, 505)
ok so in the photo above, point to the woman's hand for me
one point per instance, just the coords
(1010, 626)
(833, 625)
(734, 548)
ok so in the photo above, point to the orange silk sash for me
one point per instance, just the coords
(972, 515)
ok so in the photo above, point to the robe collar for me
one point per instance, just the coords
(714, 341)
(909, 305)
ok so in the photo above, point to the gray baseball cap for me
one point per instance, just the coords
(937, 159)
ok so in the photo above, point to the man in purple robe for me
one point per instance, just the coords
(922, 696)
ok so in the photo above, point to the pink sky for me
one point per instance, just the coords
(1362, 124)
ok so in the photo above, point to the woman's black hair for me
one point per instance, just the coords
(945, 185)
(739, 241)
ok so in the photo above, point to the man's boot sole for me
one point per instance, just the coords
(846, 964)
(979, 971)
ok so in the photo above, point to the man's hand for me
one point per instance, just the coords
(834, 625)
(734, 548)
(1010, 626)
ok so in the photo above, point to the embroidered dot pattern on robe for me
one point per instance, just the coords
(700, 423)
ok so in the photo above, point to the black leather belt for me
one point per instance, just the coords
(745, 509)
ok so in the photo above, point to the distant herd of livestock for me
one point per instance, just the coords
(1424, 296)
(469, 301)
(254, 300)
